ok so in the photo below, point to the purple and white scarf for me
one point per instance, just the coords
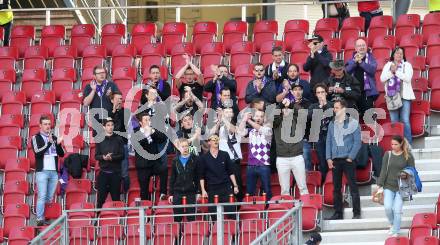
(52, 149)
(393, 86)
(100, 89)
(218, 86)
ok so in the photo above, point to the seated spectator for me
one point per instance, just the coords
(155, 80)
(277, 71)
(184, 182)
(222, 79)
(396, 76)
(363, 68)
(189, 104)
(343, 85)
(261, 87)
(293, 77)
(189, 77)
(318, 61)
(368, 10)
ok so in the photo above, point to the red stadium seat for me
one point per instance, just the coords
(266, 51)
(93, 55)
(434, 70)
(35, 57)
(313, 181)
(211, 54)
(429, 219)
(364, 175)
(203, 33)
(152, 54)
(411, 44)
(250, 230)
(15, 215)
(110, 234)
(327, 189)
(234, 31)
(229, 228)
(417, 231)
(82, 35)
(71, 99)
(165, 234)
(354, 23)
(172, 34)
(64, 57)
(111, 36)
(13, 103)
(383, 46)
(22, 36)
(241, 53)
(379, 26)
(397, 241)
(295, 30)
(8, 56)
(63, 80)
(77, 192)
(432, 47)
(278, 198)
(431, 24)
(420, 87)
(21, 235)
(420, 111)
(52, 210)
(123, 56)
(299, 52)
(426, 240)
(52, 36)
(406, 24)
(163, 73)
(124, 77)
(177, 52)
(16, 169)
(389, 130)
(195, 232)
(333, 45)
(7, 81)
(11, 125)
(264, 30)
(86, 77)
(326, 27)
(141, 34)
(15, 191)
(42, 102)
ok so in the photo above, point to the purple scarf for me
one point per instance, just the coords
(100, 88)
(52, 150)
(264, 82)
(393, 86)
(218, 86)
(367, 85)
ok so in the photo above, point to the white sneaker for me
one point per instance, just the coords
(390, 231)
(395, 234)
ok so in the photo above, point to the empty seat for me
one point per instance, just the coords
(141, 34)
(383, 46)
(64, 57)
(16, 169)
(82, 35)
(152, 54)
(420, 111)
(411, 44)
(406, 24)
(299, 52)
(15, 215)
(295, 30)
(11, 125)
(432, 47)
(426, 240)
(431, 24)
(264, 30)
(234, 31)
(15, 191)
(333, 46)
(21, 235)
(326, 27)
(63, 80)
(123, 56)
(417, 231)
(93, 55)
(379, 26)
(32, 81)
(8, 56)
(71, 99)
(77, 192)
(351, 28)
(211, 54)
(203, 33)
(22, 36)
(42, 102)
(35, 57)
(111, 36)
(397, 241)
(177, 59)
(172, 34)
(124, 77)
(7, 81)
(52, 36)
(166, 233)
(241, 53)
(13, 102)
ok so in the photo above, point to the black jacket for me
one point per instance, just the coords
(269, 74)
(75, 163)
(227, 83)
(184, 179)
(111, 144)
(40, 147)
(120, 121)
(268, 93)
(151, 147)
(351, 86)
(318, 67)
(215, 171)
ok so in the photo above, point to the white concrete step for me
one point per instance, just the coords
(427, 164)
(429, 175)
(419, 199)
(426, 153)
(369, 237)
(361, 224)
(379, 212)
(431, 187)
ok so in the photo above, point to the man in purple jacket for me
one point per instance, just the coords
(363, 67)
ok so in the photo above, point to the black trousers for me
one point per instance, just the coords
(368, 16)
(223, 192)
(7, 27)
(144, 175)
(108, 183)
(236, 170)
(177, 200)
(342, 166)
(365, 103)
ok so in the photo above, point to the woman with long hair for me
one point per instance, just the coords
(393, 163)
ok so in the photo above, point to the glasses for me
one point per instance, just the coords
(102, 72)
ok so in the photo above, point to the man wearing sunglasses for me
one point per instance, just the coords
(318, 61)
(261, 87)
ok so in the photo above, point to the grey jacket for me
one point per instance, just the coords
(340, 142)
(407, 187)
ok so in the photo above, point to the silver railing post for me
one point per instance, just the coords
(306, 8)
(298, 220)
(112, 16)
(220, 224)
(243, 13)
(65, 230)
(142, 234)
(99, 17)
(325, 10)
(177, 14)
(47, 17)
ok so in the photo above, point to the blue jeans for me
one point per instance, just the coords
(402, 115)
(392, 201)
(252, 173)
(46, 184)
(320, 150)
(124, 170)
(307, 154)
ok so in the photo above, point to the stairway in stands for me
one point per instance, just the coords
(373, 227)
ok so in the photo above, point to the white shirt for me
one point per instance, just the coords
(405, 74)
(223, 143)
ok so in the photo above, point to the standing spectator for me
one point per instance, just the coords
(220, 81)
(189, 103)
(277, 71)
(215, 168)
(260, 138)
(363, 68)
(342, 146)
(393, 163)
(191, 132)
(397, 75)
(148, 139)
(342, 85)
(121, 117)
(184, 181)
(189, 77)
(368, 10)
(47, 149)
(156, 81)
(318, 61)
(261, 87)
(322, 104)
(293, 77)
(227, 102)
(97, 95)
(6, 18)
(289, 155)
(335, 10)
(109, 153)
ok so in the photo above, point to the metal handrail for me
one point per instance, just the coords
(60, 221)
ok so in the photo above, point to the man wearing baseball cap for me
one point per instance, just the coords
(342, 85)
(318, 61)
